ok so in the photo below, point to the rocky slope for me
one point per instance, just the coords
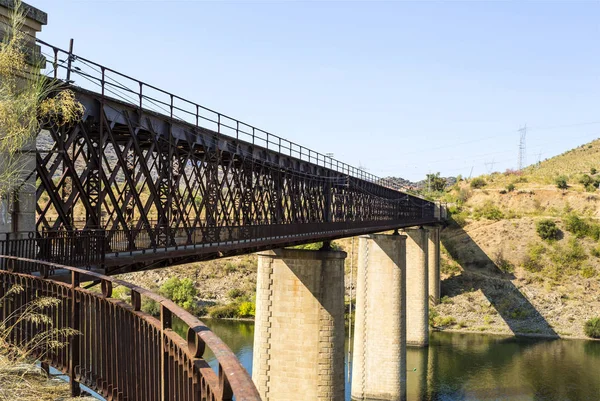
(499, 275)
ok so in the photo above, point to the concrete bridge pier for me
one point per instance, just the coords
(18, 209)
(417, 287)
(434, 264)
(299, 329)
(379, 356)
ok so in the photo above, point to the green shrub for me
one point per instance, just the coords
(547, 229)
(315, 246)
(586, 180)
(443, 321)
(502, 263)
(533, 262)
(565, 258)
(446, 300)
(593, 171)
(234, 293)
(592, 327)
(576, 225)
(561, 182)
(459, 219)
(449, 267)
(594, 231)
(588, 271)
(230, 267)
(519, 314)
(488, 211)
(596, 251)
(478, 182)
(150, 306)
(510, 187)
(433, 315)
(223, 311)
(246, 309)
(180, 291)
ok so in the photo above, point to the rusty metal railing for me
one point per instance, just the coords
(73, 68)
(79, 248)
(123, 353)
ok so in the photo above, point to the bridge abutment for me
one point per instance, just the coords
(299, 325)
(434, 264)
(379, 356)
(18, 208)
(417, 287)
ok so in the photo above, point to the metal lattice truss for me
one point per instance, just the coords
(152, 181)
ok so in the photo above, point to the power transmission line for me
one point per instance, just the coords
(490, 166)
(522, 147)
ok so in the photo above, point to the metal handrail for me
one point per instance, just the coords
(171, 103)
(181, 370)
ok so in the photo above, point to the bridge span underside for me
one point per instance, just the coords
(167, 192)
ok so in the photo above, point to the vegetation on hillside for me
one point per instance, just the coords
(592, 328)
(522, 251)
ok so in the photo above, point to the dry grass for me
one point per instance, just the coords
(20, 379)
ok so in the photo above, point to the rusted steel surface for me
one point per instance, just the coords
(79, 248)
(156, 172)
(122, 352)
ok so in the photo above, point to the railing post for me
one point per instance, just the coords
(69, 60)
(165, 324)
(74, 341)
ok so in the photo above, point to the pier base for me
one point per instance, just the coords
(417, 288)
(379, 356)
(299, 329)
(434, 265)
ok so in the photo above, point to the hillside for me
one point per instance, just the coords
(499, 275)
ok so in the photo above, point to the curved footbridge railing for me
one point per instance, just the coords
(121, 352)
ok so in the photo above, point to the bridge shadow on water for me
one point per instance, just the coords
(480, 272)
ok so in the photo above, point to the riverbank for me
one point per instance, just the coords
(25, 381)
(516, 335)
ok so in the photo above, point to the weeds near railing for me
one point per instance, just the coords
(20, 379)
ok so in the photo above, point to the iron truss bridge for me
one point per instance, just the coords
(163, 180)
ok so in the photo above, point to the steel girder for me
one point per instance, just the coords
(140, 175)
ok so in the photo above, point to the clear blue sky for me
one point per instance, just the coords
(402, 88)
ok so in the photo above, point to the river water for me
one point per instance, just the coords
(475, 366)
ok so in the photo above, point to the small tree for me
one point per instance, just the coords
(181, 291)
(576, 225)
(592, 327)
(547, 229)
(478, 182)
(561, 182)
(27, 99)
(435, 182)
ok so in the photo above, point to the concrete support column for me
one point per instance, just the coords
(299, 329)
(379, 356)
(417, 288)
(434, 265)
(17, 210)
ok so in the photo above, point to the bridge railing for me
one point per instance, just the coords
(121, 352)
(72, 68)
(81, 248)
(143, 239)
